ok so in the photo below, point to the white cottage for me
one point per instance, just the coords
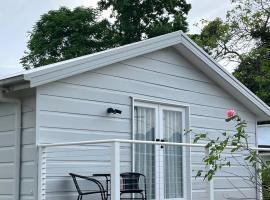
(54, 120)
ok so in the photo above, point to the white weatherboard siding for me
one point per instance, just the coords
(7, 150)
(75, 109)
(28, 149)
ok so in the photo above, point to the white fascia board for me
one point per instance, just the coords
(79, 65)
(226, 76)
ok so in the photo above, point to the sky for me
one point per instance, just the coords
(17, 18)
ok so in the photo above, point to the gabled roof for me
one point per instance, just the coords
(178, 40)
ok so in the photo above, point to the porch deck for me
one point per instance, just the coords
(116, 156)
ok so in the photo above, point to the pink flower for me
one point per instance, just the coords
(230, 113)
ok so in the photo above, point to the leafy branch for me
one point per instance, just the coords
(236, 143)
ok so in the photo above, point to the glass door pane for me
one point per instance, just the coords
(172, 155)
(145, 127)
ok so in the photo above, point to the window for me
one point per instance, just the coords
(163, 167)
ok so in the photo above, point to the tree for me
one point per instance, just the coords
(254, 72)
(64, 34)
(139, 19)
(243, 38)
(213, 37)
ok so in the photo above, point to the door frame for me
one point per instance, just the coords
(154, 103)
(161, 108)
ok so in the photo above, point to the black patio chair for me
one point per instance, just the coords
(77, 179)
(131, 184)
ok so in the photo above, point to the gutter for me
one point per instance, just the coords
(11, 80)
(18, 132)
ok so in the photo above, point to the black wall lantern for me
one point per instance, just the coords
(113, 111)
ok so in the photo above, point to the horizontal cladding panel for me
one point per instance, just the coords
(133, 73)
(29, 120)
(200, 195)
(60, 185)
(85, 107)
(199, 184)
(62, 170)
(7, 139)
(89, 122)
(6, 186)
(148, 89)
(6, 197)
(219, 113)
(27, 197)
(65, 196)
(199, 151)
(213, 134)
(6, 170)
(7, 123)
(28, 136)
(169, 55)
(219, 124)
(235, 194)
(27, 169)
(235, 159)
(74, 121)
(56, 135)
(84, 95)
(7, 154)
(7, 109)
(28, 104)
(27, 186)
(222, 183)
(28, 153)
(232, 182)
(164, 67)
(87, 158)
(232, 171)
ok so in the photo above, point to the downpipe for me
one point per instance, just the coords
(18, 135)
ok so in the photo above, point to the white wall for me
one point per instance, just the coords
(75, 109)
(28, 149)
(7, 150)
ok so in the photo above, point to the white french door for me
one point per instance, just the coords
(162, 165)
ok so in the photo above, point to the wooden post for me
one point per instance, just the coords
(115, 171)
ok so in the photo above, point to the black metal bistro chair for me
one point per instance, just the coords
(80, 182)
(133, 183)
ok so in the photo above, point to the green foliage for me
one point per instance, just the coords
(211, 36)
(138, 19)
(254, 72)
(266, 183)
(244, 38)
(237, 143)
(64, 34)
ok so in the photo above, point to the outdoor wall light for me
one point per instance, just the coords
(113, 111)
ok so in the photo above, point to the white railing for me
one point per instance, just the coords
(115, 161)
